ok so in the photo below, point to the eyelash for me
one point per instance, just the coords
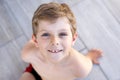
(45, 34)
(60, 34)
(63, 34)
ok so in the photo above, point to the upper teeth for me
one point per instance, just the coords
(54, 51)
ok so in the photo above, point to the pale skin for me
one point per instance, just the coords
(52, 56)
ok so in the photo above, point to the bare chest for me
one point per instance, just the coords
(48, 72)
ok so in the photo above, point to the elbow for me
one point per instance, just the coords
(85, 70)
(84, 74)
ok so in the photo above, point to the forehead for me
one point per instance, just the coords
(60, 23)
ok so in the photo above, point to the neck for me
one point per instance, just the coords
(62, 60)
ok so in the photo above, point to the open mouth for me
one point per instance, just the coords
(55, 51)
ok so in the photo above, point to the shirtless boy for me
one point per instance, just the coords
(50, 51)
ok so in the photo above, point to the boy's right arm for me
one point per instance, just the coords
(27, 76)
(28, 51)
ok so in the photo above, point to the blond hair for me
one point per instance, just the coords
(52, 11)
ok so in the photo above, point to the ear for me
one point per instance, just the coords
(35, 40)
(74, 38)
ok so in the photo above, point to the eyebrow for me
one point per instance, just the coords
(63, 30)
(41, 30)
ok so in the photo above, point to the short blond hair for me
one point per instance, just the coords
(52, 11)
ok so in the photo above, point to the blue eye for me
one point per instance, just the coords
(46, 34)
(63, 34)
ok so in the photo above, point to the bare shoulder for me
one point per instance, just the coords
(28, 51)
(82, 64)
(27, 76)
(29, 46)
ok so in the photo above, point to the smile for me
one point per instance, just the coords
(55, 51)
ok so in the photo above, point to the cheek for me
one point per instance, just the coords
(68, 43)
(42, 43)
(67, 47)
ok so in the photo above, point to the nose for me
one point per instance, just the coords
(55, 40)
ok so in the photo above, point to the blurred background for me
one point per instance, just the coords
(98, 24)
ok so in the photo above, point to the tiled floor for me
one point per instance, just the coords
(98, 27)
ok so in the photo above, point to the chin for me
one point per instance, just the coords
(57, 57)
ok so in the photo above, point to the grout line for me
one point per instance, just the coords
(76, 3)
(83, 42)
(88, 49)
(82, 49)
(103, 72)
(5, 43)
(7, 7)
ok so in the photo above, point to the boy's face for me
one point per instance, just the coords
(54, 40)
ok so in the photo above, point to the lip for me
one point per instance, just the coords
(55, 51)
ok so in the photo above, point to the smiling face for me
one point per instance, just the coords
(54, 39)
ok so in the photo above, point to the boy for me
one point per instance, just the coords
(50, 51)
